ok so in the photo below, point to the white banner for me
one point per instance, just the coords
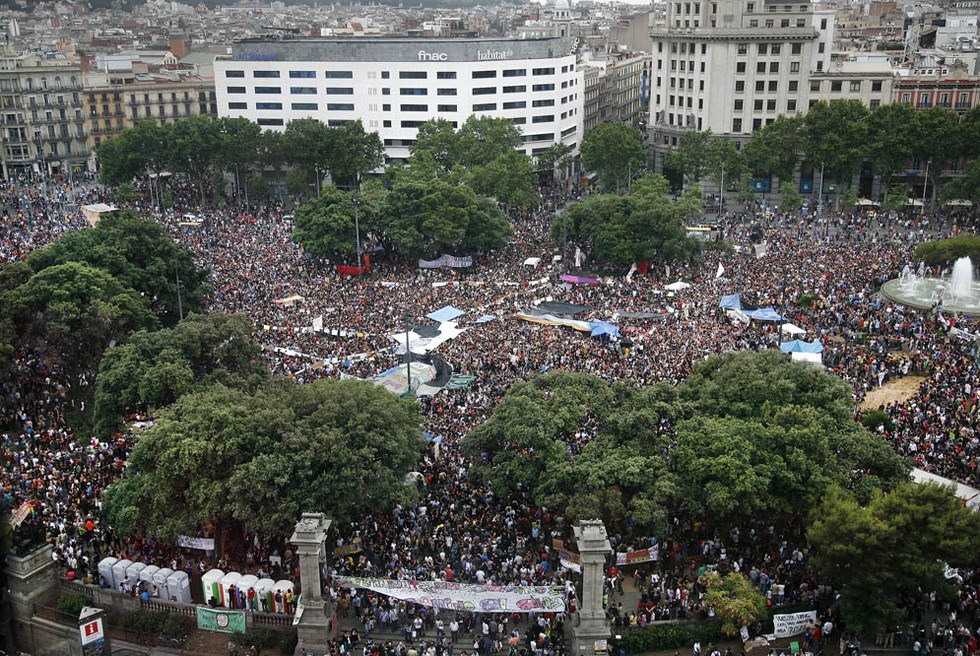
(446, 261)
(793, 623)
(450, 595)
(204, 544)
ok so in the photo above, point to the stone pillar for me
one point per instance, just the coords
(33, 581)
(313, 613)
(591, 624)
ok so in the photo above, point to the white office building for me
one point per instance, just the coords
(393, 85)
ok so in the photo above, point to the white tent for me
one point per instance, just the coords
(915, 202)
(677, 286)
(959, 202)
(792, 329)
(799, 356)
(532, 261)
(865, 202)
(969, 495)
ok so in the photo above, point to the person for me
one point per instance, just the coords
(253, 651)
(232, 648)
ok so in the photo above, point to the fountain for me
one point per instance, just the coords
(957, 293)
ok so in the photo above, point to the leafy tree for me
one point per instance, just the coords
(774, 150)
(154, 369)
(308, 143)
(948, 250)
(354, 153)
(259, 460)
(897, 198)
(482, 139)
(737, 602)
(744, 193)
(849, 198)
(935, 141)
(610, 150)
(725, 163)
(791, 199)
(889, 138)
(556, 157)
(692, 157)
(966, 187)
(508, 178)
(437, 139)
(140, 254)
(837, 136)
(892, 550)
(237, 148)
(325, 225)
(191, 144)
(126, 193)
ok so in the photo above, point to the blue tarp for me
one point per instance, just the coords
(731, 302)
(799, 346)
(486, 317)
(600, 328)
(447, 313)
(764, 314)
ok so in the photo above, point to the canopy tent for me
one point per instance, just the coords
(603, 328)
(579, 280)
(677, 286)
(803, 356)
(799, 346)
(792, 329)
(915, 202)
(865, 202)
(764, 314)
(532, 261)
(93, 213)
(731, 302)
(444, 314)
(970, 496)
(959, 202)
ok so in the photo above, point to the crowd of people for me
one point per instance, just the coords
(821, 273)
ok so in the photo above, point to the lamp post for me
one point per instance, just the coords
(180, 304)
(408, 355)
(925, 185)
(820, 193)
(357, 231)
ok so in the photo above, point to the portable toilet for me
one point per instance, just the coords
(245, 584)
(119, 572)
(179, 587)
(212, 586)
(160, 580)
(282, 587)
(133, 573)
(263, 595)
(105, 571)
(146, 577)
(229, 589)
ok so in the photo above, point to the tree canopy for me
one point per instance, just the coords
(946, 251)
(225, 456)
(610, 150)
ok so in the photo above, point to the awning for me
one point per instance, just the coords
(731, 302)
(799, 346)
(792, 329)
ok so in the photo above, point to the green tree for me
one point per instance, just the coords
(966, 187)
(837, 136)
(935, 142)
(482, 139)
(307, 143)
(725, 163)
(259, 460)
(355, 153)
(140, 254)
(849, 198)
(610, 150)
(437, 139)
(325, 225)
(892, 551)
(126, 193)
(692, 157)
(556, 157)
(736, 601)
(191, 144)
(897, 198)
(790, 199)
(154, 369)
(890, 139)
(774, 149)
(946, 251)
(509, 178)
(237, 148)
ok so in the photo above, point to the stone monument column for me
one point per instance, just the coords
(591, 625)
(313, 613)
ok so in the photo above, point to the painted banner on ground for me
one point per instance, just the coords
(793, 623)
(641, 556)
(447, 261)
(204, 544)
(221, 620)
(450, 595)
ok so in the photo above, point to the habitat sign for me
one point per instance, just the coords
(220, 620)
(793, 623)
(467, 597)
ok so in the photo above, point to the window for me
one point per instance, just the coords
(340, 107)
(760, 67)
(543, 87)
(736, 125)
(340, 91)
(485, 107)
(874, 104)
(234, 73)
(774, 67)
(784, 23)
(482, 75)
(413, 92)
(411, 124)
(749, 8)
(268, 89)
(756, 124)
(338, 122)
(446, 92)
(415, 108)
(386, 124)
(265, 74)
(386, 107)
(412, 75)
(268, 105)
(346, 75)
(543, 103)
(835, 86)
(515, 72)
(231, 105)
(790, 105)
(876, 86)
(740, 67)
(543, 118)
(302, 74)
(753, 23)
(821, 47)
(815, 85)
(740, 86)
(774, 49)
(794, 86)
(739, 105)
(446, 75)
(543, 71)
(771, 105)
(763, 48)
(770, 23)
(823, 23)
(384, 76)
(484, 91)
(520, 104)
(760, 86)
(302, 90)
(906, 98)
(270, 121)
(447, 108)
(757, 105)
(236, 89)
(304, 107)
(794, 67)
(519, 88)
(855, 86)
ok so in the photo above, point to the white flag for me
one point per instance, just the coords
(721, 271)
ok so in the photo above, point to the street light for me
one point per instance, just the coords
(357, 231)
(408, 355)
(925, 185)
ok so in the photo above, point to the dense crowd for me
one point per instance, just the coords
(822, 273)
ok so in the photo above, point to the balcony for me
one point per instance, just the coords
(924, 105)
(963, 105)
(947, 105)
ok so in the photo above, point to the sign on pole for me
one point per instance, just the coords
(93, 632)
